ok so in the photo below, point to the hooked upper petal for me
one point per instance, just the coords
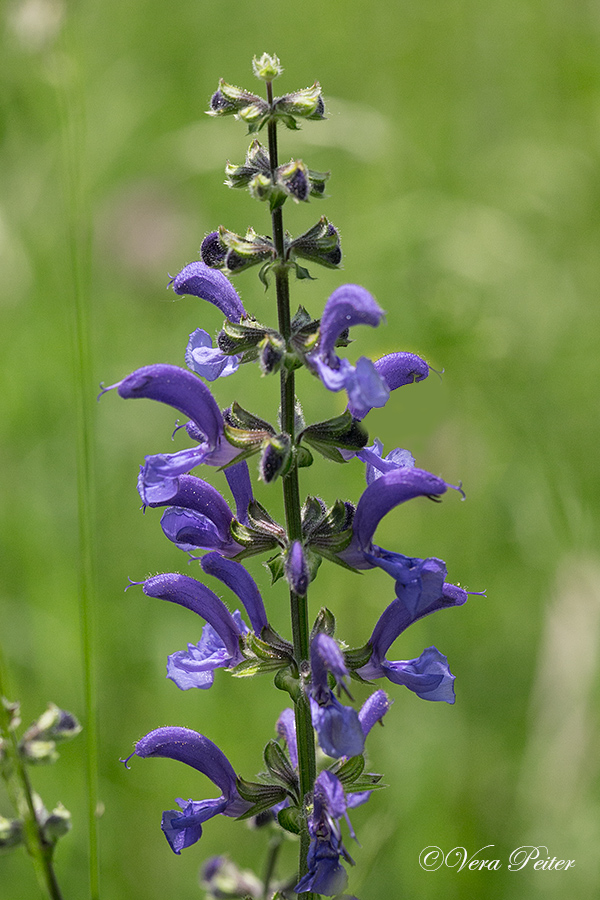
(200, 280)
(195, 596)
(194, 750)
(350, 304)
(389, 491)
(235, 576)
(180, 389)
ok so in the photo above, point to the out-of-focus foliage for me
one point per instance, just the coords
(463, 140)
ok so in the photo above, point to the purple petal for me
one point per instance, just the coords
(194, 667)
(182, 829)
(419, 582)
(366, 390)
(325, 656)
(212, 285)
(158, 480)
(349, 305)
(238, 479)
(296, 569)
(194, 750)
(338, 728)
(179, 389)
(401, 368)
(237, 579)
(429, 676)
(286, 728)
(329, 791)
(207, 361)
(373, 710)
(195, 494)
(190, 531)
(389, 491)
(194, 595)
(378, 465)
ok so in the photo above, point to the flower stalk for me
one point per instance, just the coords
(307, 767)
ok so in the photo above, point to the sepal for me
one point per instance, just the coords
(233, 253)
(244, 337)
(262, 796)
(324, 624)
(343, 432)
(278, 764)
(290, 818)
(261, 533)
(320, 244)
(229, 100)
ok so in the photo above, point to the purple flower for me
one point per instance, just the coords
(183, 827)
(326, 875)
(237, 579)
(383, 494)
(377, 464)
(219, 646)
(200, 517)
(338, 727)
(210, 284)
(207, 361)
(185, 392)
(349, 305)
(395, 370)
(429, 676)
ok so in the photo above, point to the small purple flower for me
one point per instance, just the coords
(219, 646)
(428, 676)
(338, 727)
(286, 728)
(200, 517)
(349, 305)
(185, 392)
(207, 361)
(209, 284)
(326, 875)
(395, 370)
(183, 827)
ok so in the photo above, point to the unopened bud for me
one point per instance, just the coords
(275, 457)
(296, 569)
(11, 833)
(267, 67)
(223, 880)
(272, 353)
(57, 824)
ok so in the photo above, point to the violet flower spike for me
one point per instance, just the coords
(338, 727)
(183, 828)
(212, 285)
(219, 646)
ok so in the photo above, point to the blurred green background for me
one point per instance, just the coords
(463, 140)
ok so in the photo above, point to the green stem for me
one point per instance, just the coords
(20, 792)
(291, 496)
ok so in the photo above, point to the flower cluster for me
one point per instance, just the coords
(315, 669)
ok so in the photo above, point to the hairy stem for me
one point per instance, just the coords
(291, 496)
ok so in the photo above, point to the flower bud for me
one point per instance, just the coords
(272, 353)
(54, 724)
(11, 833)
(226, 250)
(57, 824)
(296, 569)
(229, 100)
(320, 244)
(307, 103)
(275, 457)
(267, 67)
